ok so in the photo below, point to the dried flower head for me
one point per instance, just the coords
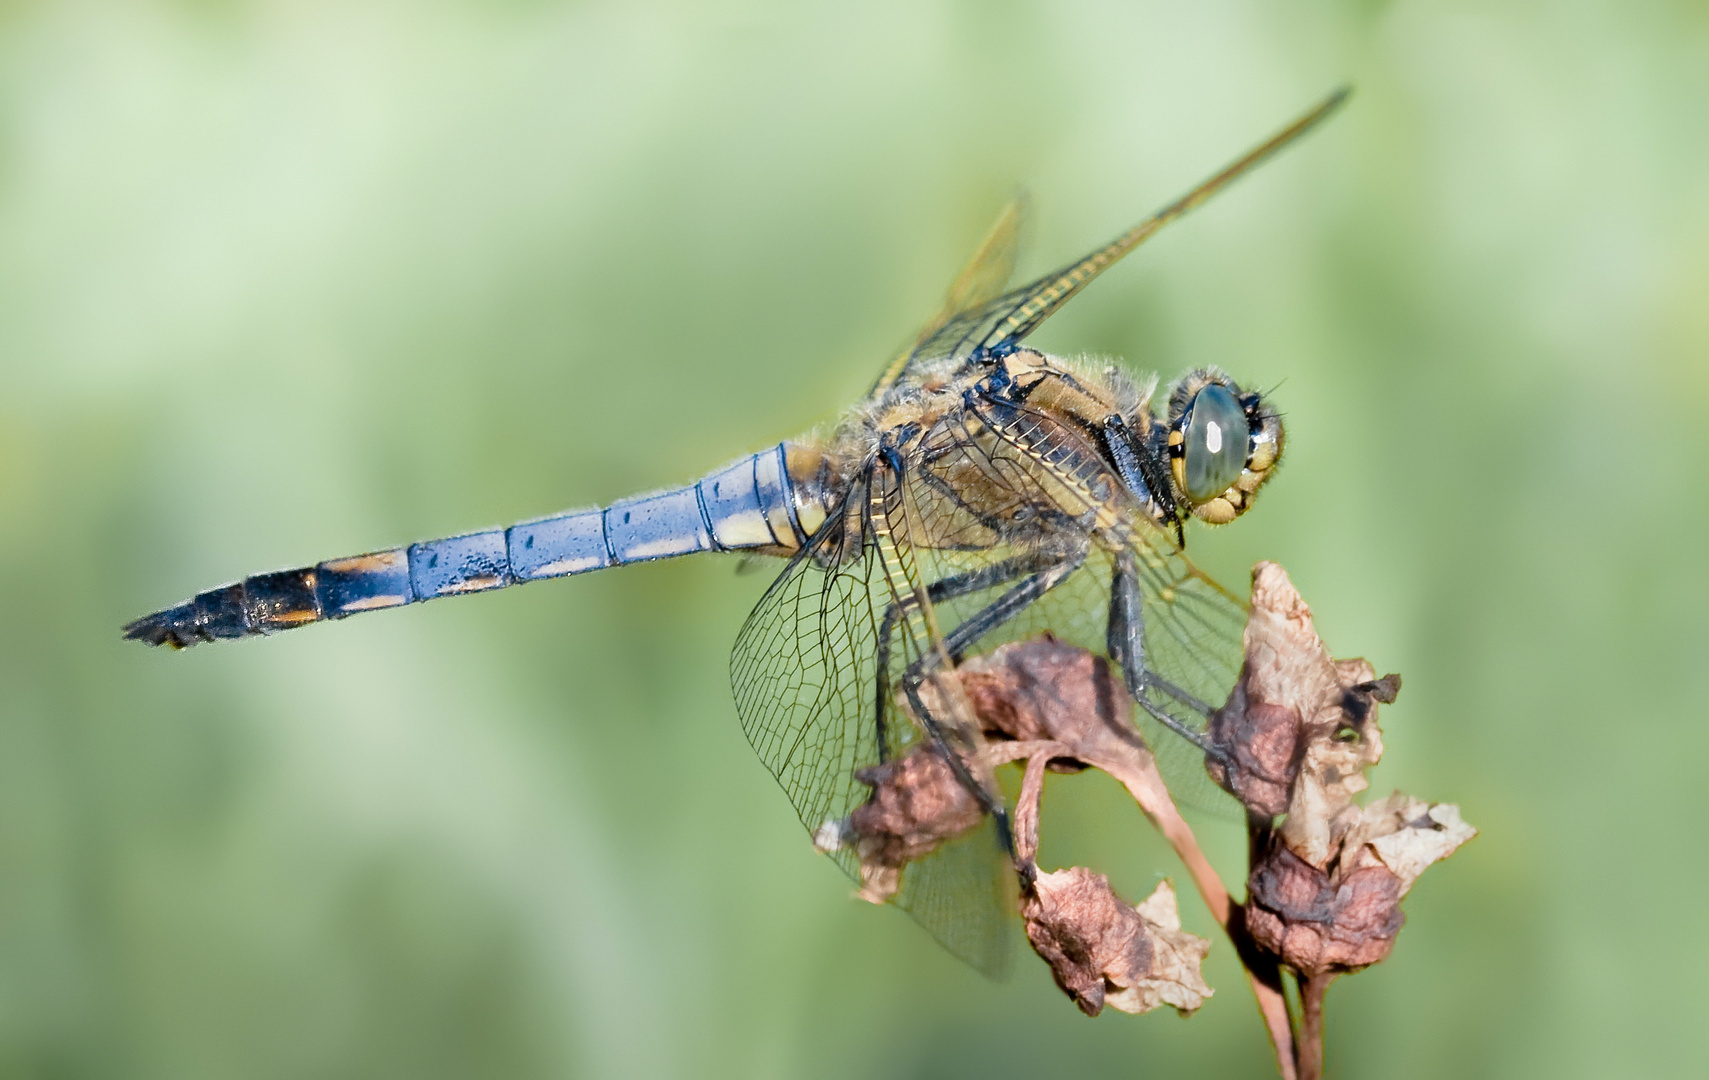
(1345, 916)
(1296, 737)
(1104, 951)
(917, 803)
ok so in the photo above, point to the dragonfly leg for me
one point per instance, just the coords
(970, 630)
(988, 802)
(949, 588)
(1007, 606)
(1124, 639)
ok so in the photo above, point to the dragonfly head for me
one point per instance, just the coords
(1223, 444)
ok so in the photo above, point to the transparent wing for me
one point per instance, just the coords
(980, 514)
(814, 669)
(1192, 632)
(993, 264)
(963, 895)
(982, 279)
(805, 673)
(1055, 494)
(1007, 319)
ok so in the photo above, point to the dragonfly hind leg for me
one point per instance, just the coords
(1032, 586)
(1009, 605)
(950, 588)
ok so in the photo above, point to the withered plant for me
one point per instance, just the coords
(1325, 875)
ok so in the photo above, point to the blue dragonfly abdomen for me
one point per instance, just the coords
(750, 504)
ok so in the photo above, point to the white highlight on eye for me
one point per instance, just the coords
(1213, 436)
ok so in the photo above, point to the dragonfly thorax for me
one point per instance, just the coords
(1205, 457)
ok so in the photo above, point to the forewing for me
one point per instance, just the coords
(980, 281)
(1193, 649)
(1006, 320)
(1193, 631)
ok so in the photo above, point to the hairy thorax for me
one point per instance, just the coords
(1006, 452)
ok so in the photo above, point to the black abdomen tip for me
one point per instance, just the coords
(174, 626)
(217, 613)
(268, 603)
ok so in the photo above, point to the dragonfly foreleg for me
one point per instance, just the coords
(1124, 639)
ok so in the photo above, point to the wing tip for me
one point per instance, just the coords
(1328, 106)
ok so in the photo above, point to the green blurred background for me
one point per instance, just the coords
(280, 282)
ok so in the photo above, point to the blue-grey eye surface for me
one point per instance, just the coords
(1217, 435)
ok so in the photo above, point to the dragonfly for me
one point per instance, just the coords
(982, 492)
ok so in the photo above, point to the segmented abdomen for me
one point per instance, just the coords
(750, 504)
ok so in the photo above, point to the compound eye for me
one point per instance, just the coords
(1216, 443)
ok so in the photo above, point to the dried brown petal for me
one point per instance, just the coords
(1045, 689)
(1174, 978)
(1315, 923)
(1260, 745)
(917, 803)
(1404, 835)
(1300, 729)
(1341, 741)
(1105, 951)
(1286, 663)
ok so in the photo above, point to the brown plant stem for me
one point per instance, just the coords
(1264, 976)
(1026, 807)
(1138, 773)
(1311, 1025)
(1145, 784)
